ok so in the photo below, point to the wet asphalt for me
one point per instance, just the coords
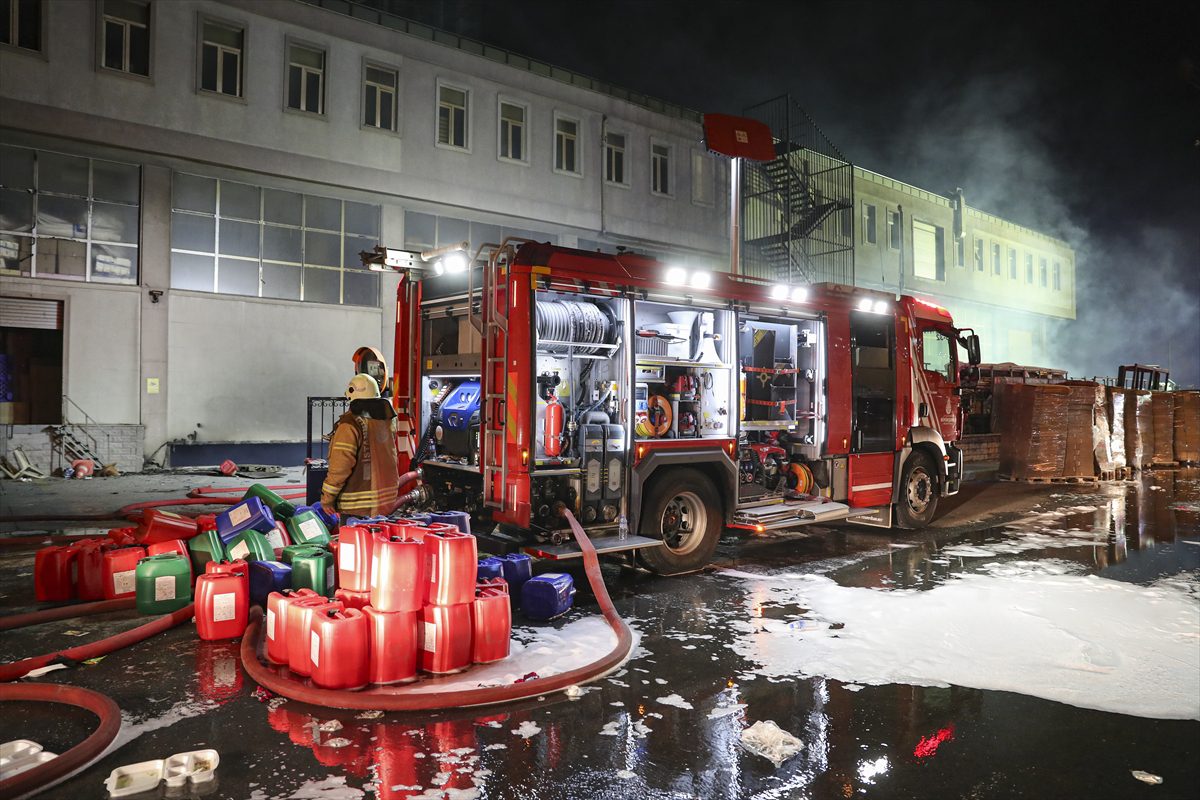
(891, 741)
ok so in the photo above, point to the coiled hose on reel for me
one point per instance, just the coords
(572, 322)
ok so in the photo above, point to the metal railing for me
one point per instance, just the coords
(75, 437)
(323, 412)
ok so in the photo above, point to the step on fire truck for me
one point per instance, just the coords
(667, 402)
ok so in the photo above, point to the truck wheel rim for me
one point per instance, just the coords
(683, 523)
(919, 490)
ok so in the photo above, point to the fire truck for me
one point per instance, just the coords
(661, 405)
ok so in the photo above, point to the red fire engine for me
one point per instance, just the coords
(668, 402)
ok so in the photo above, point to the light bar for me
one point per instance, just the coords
(799, 294)
(453, 263)
(779, 292)
(676, 276)
(700, 279)
(866, 304)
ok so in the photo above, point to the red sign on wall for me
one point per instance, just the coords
(738, 137)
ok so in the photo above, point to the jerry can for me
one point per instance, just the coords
(459, 519)
(163, 526)
(163, 583)
(328, 517)
(306, 528)
(272, 501)
(299, 624)
(313, 569)
(120, 571)
(489, 567)
(491, 622)
(398, 575)
(351, 599)
(54, 573)
(204, 547)
(267, 577)
(517, 568)
(446, 638)
(290, 550)
(451, 561)
(393, 647)
(237, 568)
(355, 546)
(547, 596)
(278, 537)
(250, 545)
(123, 536)
(251, 514)
(222, 605)
(89, 582)
(276, 622)
(177, 546)
(338, 649)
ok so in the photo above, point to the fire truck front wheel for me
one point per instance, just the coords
(918, 492)
(681, 509)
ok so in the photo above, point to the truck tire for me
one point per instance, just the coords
(918, 492)
(682, 509)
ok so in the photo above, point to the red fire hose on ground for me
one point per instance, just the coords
(404, 698)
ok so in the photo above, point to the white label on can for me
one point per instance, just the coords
(346, 556)
(164, 588)
(311, 528)
(430, 637)
(275, 538)
(239, 514)
(124, 582)
(551, 575)
(374, 570)
(314, 649)
(224, 606)
(270, 624)
(239, 550)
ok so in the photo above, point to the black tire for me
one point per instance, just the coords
(918, 492)
(682, 508)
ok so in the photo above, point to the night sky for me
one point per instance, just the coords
(1081, 120)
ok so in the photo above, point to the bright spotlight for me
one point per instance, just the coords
(880, 307)
(701, 279)
(676, 276)
(779, 292)
(454, 262)
(799, 294)
(865, 304)
(438, 269)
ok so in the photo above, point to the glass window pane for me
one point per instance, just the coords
(323, 213)
(115, 264)
(5, 22)
(113, 223)
(322, 285)
(361, 289)
(295, 77)
(29, 24)
(384, 77)
(481, 233)
(312, 93)
(139, 50)
(222, 35)
(62, 216)
(15, 253)
(460, 129)
(237, 277)
(352, 246)
(369, 108)
(322, 248)
(132, 10)
(281, 244)
(62, 174)
(229, 74)
(192, 232)
(387, 115)
(283, 207)
(239, 200)
(420, 230)
(116, 182)
(16, 210)
(208, 67)
(61, 257)
(16, 168)
(518, 151)
(362, 218)
(114, 45)
(193, 193)
(238, 238)
(453, 96)
(452, 231)
(306, 57)
(281, 281)
(191, 272)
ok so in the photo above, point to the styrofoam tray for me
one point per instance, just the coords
(196, 766)
(17, 750)
(134, 778)
(30, 761)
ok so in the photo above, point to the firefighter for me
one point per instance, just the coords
(363, 475)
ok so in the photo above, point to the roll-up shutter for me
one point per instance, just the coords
(24, 312)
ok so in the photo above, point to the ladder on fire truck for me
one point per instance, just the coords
(493, 310)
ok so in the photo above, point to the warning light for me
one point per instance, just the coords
(524, 458)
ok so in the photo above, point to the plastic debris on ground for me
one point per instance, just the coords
(527, 729)
(1146, 777)
(765, 738)
(336, 742)
(372, 714)
(330, 726)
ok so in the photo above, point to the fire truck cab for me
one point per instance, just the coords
(669, 402)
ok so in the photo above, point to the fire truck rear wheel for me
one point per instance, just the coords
(918, 492)
(681, 509)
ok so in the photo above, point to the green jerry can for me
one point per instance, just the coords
(312, 568)
(292, 549)
(250, 545)
(205, 547)
(280, 508)
(307, 528)
(163, 583)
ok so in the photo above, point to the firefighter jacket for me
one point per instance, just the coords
(363, 471)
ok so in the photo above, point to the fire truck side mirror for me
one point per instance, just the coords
(971, 342)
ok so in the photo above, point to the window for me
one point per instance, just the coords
(846, 223)
(929, 260)
(306, 79)
(960, 251)
(512, 132)
(221, 58)
(1042, 272)
(452, 117)
(235, 238)
(893, 226)
(1029, 268)
(379, 97)
(21, 23)
(1057, 274)
(702, 179)
(995, 258)
(125, 32)
(660, 168)
(979, 255)
(67, 216)
(936, 354)
(1012, 264)
(566, 145)
(868, 223)
(614, 159)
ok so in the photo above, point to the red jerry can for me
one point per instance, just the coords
(355, 547)
(338, 648)
(237, 567)
(54, 573)
(120, 571)
(278, 537)
(123, 536)
(359, 600)
(89, 583)
(451, 561)
(392, 638)
(299, 624)
(445, 638)
(173, 546)
(398, 575)
(276, 623)
(163, 526)
(491, 622)
(222, 605)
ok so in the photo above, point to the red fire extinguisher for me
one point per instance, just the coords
(554, 426)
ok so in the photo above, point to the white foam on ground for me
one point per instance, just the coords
(331, 788)
(675, 700)
(1082, 640)
(526, 729)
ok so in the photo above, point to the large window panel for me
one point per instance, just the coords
(322, 249)
(16, 168)
(286, 208)
(322, 285)
(282, 244)
(62, 216)
(114, 223)
(62, 174)
(420, 230)
(361, 289)
(113, 262)
(62, 257)
(353, 246)
(16, 210)
(281, 281)
(192, 232)
(114, 182)
(362, 219)
(323, 213)
(193, 272)
(239, 238)
(239, 201)
(235, 276)
(16, 253)
(193, 193)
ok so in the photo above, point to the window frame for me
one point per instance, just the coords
(578, 139)
(997, 264)
(1012, 263)
(625, 163)
(979, 254)
(669, 158)
(1043, 270)
(315, 47)
(437, 116)
(101, 21)
(870, 223)
(1028, 268)
(43, 39)
(1056, 276)
(203, 19)
(368, 64)
(506, 100)
(894, 238)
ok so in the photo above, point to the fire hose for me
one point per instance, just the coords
(405, 698)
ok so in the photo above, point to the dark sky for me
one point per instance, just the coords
(1078, 119)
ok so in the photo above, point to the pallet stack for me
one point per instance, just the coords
(1139, 429)
(1032, 431)
(1162, 418)
(1115, 399)
(1187, 427)
(1087, 432)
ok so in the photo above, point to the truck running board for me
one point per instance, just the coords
(770, 516)
(604, 545)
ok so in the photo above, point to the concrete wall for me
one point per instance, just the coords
(115, 444)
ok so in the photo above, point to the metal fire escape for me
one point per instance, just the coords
(797, 211)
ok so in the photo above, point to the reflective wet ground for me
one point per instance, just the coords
(738, 644)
